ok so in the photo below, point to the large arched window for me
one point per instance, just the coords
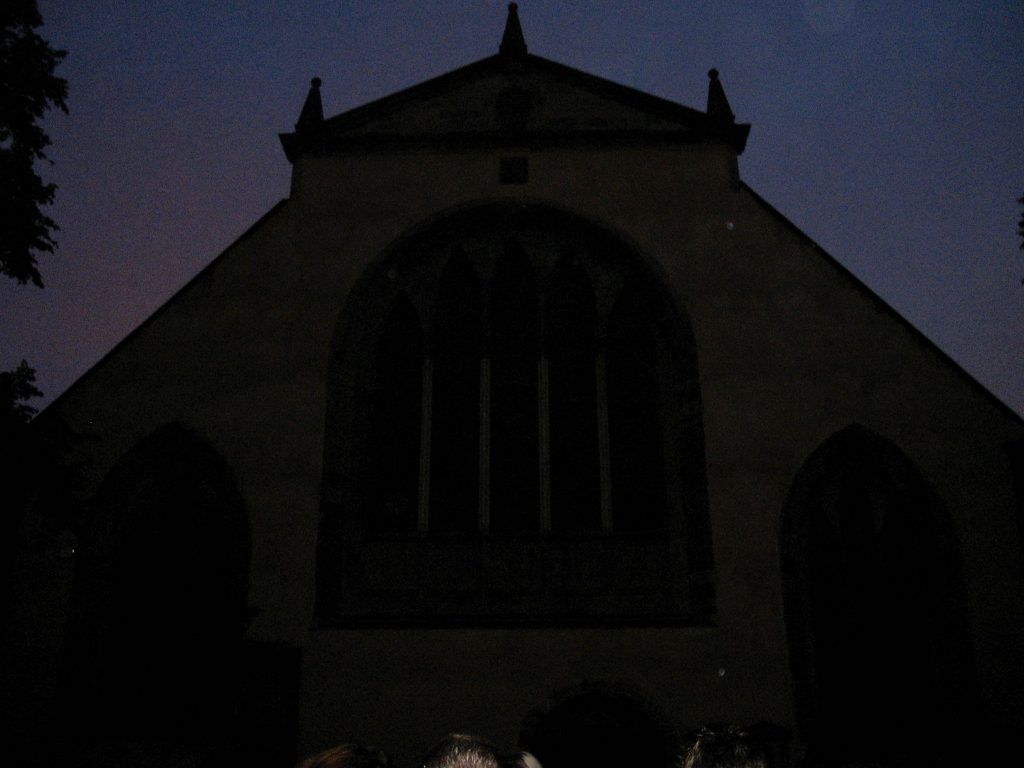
(515, 409)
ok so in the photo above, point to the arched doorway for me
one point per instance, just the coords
(874, 607)
(159, 598)
(599, 726)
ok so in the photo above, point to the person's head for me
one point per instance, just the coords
(722, 746)
(346, 756)
(462, 751)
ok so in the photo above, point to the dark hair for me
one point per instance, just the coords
(461, 751)
(722, 746)
(347, 756)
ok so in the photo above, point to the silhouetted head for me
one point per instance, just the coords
(722, 746)
(462, 751)
(347, 756)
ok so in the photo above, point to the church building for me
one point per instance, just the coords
(524, 416)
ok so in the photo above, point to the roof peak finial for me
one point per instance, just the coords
(513, 44)
(312, 114)
(718, 105)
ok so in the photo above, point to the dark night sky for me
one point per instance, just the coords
(892, 133)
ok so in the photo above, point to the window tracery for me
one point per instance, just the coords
(537, 382)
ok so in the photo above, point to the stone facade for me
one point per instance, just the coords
(253, 361)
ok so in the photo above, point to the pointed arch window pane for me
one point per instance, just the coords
(393, 477)
(634, 423)
(514, 351)
(455, 418)
(569, 331)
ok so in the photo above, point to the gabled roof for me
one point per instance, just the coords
(515, 98)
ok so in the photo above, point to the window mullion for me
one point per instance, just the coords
(485, 444)
(603, 442)
(544, 440)
(423, 516)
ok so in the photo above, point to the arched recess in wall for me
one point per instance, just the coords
(513, 432)
(159, 598)
(599, 725)
(875, 611)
